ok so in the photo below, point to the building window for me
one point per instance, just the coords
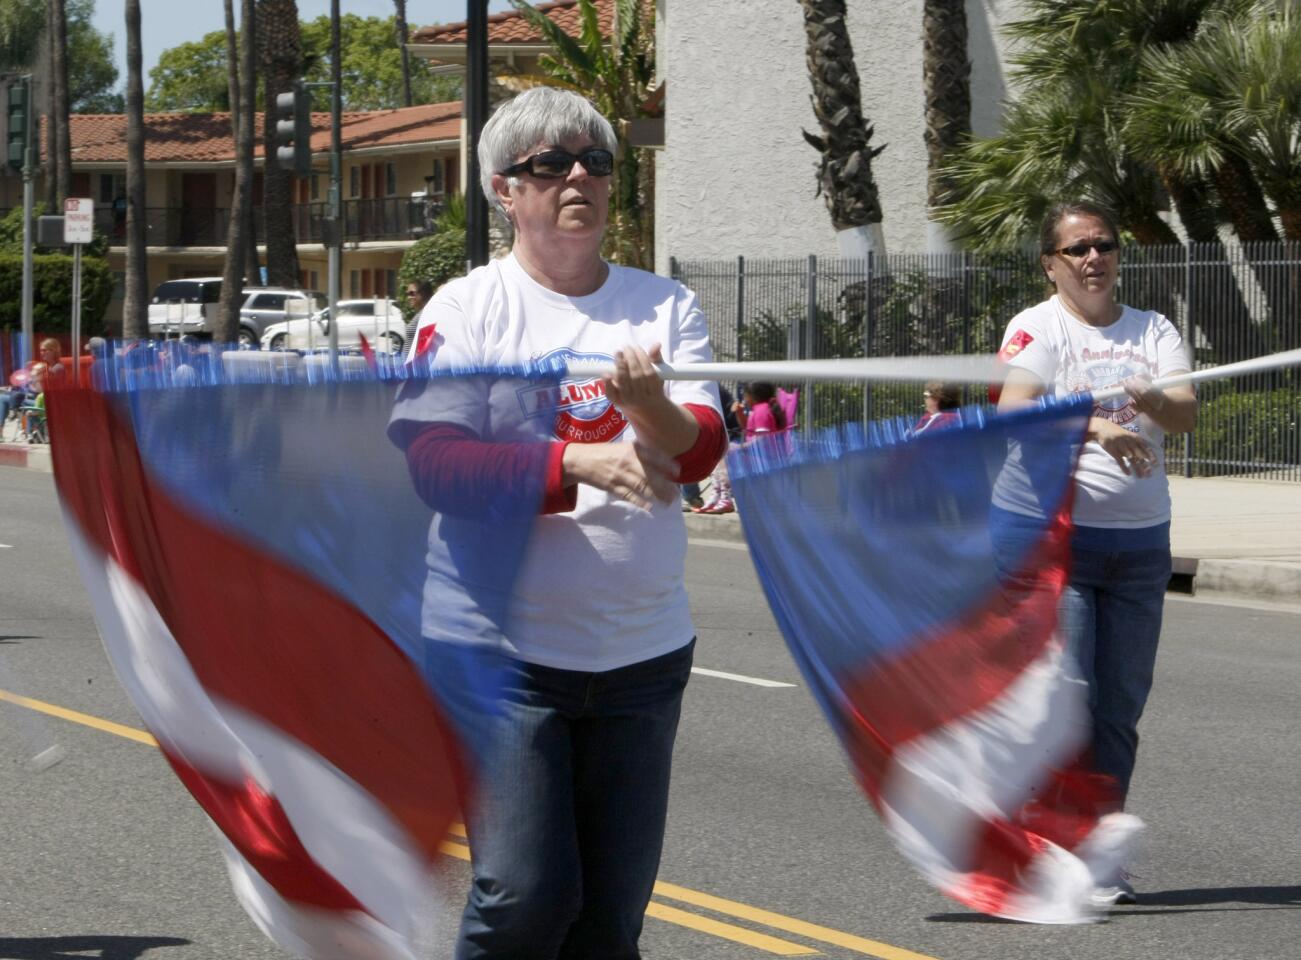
(111, 186)
(354, 181)
(391, 284)
(390, 179)
(314, 281)
(437, 181)
(316, 187)
(354, 283)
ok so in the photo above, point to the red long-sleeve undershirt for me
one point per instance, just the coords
(455, 471)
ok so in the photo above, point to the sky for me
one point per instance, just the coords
(168, 23)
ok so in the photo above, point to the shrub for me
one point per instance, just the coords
(52, 292)
(436, 258)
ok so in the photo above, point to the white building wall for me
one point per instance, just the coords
(736, 177)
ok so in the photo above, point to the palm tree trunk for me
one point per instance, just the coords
(51, 130)
(59, 65)
(946, 76)
(400, 24)
(281, 58)
(845, 172)
(232, 277)
(1243, 200)
(135, 323)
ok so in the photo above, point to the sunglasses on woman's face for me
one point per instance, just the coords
(1080, 250)
(555, 164)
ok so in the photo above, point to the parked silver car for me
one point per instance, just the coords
(264, 306)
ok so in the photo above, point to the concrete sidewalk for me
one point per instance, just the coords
(1228, 536)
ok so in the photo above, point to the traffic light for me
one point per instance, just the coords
(19, 97)
(294, 129)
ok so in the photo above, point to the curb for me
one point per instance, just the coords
(1247, 579)
(1260, 579)
(32, 456)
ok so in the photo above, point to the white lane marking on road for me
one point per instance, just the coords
(725, 544)
(757, 681)
(6, 546)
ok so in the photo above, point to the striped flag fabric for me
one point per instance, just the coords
(918, 596)
(256, 557)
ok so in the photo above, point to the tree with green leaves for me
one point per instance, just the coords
(1226, 107)
(372, 65)
(618, 75)
(191, 77)
(845, 152)
(92, 73)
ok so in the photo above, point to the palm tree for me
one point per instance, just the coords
(1063, 137)
(845, 170)
(1216, 108)
(281, 57)
(946, 74)
(135, 322)
(59, 119)
(400, 28)
(618, 77)
(243, 83)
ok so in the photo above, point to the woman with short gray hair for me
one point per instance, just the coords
(569, 819)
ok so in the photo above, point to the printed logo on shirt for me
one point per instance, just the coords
(1019, 341)
(583, 413)
(1100, 375)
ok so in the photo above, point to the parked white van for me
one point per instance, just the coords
(184, 306)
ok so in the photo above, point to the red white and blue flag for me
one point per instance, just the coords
(922, 611)
(255, 553)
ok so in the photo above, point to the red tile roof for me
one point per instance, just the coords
(511, 27)
(206, 137)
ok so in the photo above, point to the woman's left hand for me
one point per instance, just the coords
(636, 386)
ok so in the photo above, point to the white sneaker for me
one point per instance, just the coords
(1122, 892)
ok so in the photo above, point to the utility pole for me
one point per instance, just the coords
(476, 115)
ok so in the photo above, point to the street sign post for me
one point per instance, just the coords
(78, 229)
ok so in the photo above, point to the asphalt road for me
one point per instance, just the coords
(770, 850)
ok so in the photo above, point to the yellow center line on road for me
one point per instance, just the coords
(693, 921)
(801, 928)
(85, 719)
(669, 891)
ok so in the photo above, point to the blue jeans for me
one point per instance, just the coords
(1111, 620)
(566, 833)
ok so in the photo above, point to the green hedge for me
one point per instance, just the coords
(437, 258)
(1254, 427)
(52, 293)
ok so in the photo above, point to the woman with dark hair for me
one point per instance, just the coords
(1082, 339)
(941, 400)
(761, 412)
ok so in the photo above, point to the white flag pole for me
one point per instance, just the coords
(977, 368)
(981, 368)
(1273, 361)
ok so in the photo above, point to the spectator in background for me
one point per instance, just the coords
(417, 294)
(720, 490)
(942, 401)
(761, 413)
(50, 352)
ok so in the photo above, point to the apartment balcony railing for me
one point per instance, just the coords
(386, 218)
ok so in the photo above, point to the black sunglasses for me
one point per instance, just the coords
(555, 164)
(1078, 250)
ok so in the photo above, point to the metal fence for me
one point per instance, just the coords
(1229, 304)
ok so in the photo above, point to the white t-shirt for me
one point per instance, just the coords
(1071, 356)
(601, 587)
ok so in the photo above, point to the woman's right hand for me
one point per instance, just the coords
(1134, 454)
(636, 472)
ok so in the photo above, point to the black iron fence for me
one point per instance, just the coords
(1229, 303)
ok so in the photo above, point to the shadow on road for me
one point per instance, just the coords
(1273, 896)
(1199, 897)
(80, 948)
